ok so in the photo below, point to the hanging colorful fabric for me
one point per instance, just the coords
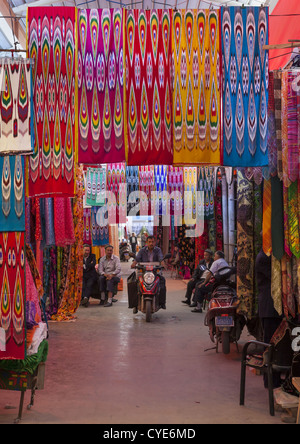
(246, 83)
(64, 232)
(196, 86)
(132, 180)
(100, 86)
(12, 295)
(276, 287)
(52, 34)
(146, 179)
(87, 237)
(16, 101)
(175, 186)
(293, 219)
(278, 126)
(272, 143)
(95, 186)
(116, 185)
(72, 292)
(293, 129)
(190, 195)
(267, 217)
(12, 196)
(245, 251)
(148, 99)
(284, 128)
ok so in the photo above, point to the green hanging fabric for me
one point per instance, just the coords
(277, 225)
(294, 240)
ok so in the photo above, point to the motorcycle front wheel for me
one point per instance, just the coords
(148, 311)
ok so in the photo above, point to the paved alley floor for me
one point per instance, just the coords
(111, 367)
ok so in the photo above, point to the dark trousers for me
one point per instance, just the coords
(163, 291)
(108, 285)
(133, 248)
(270, 325)
(87, 286)
(190, 287)
(202, 292)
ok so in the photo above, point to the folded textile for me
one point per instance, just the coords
(30, 363)
(39, 336)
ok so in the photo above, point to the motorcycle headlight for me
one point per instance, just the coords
(149, 278)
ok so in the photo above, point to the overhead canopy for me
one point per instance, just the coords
(284, 26)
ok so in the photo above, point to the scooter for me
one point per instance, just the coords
(149, 288)
(225, 325)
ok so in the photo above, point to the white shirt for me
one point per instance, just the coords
(217, 265)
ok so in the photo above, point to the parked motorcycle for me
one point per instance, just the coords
(124, 250)
(225, 325)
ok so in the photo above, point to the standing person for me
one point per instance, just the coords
(270, 319)
(144, 239)
(109, 270)
(133, 242)
(198, 275)
(151, 253)
(89, 275)
(206, 287)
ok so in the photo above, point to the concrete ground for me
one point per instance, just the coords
(111, 367)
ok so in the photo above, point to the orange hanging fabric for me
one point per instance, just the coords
(267, 215)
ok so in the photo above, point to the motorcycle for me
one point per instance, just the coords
(225, 324)
(147, 288)
(124, 252)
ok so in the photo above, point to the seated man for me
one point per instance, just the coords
(89, 275)
(151, 253)
(109, 270)
(206, 287)
(198, 275)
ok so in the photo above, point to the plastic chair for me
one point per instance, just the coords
(267, 358)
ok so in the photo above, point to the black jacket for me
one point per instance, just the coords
(198, 273)
(89, 267)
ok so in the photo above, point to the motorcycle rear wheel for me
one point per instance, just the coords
(226, 342)
(148, 311)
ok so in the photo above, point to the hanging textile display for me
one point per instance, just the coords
(12, 295)
(12, 196)
(245, 252)
(72, 291)
(246, 83)
(161, 201)
(95, 186)
(116, 184)
(272, 142)
(278, 127)
(132, 180)
(293, 219)
(267, 218)
(64, 232)
(87, 236)
(100, 86)
(146, 178)
(196, 86)
(51, 45)
(175, 185)
(148, 97)
(16, 132)
(190, 195)
(99, 234)
(205, 185)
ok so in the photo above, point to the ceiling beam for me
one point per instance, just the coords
(23, 8)
(18, 30)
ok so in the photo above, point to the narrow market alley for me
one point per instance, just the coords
(111, 367)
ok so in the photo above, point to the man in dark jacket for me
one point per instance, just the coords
(198, 276)
(270, 319)
(89, 275)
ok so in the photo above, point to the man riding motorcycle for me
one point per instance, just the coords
(151, 253)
